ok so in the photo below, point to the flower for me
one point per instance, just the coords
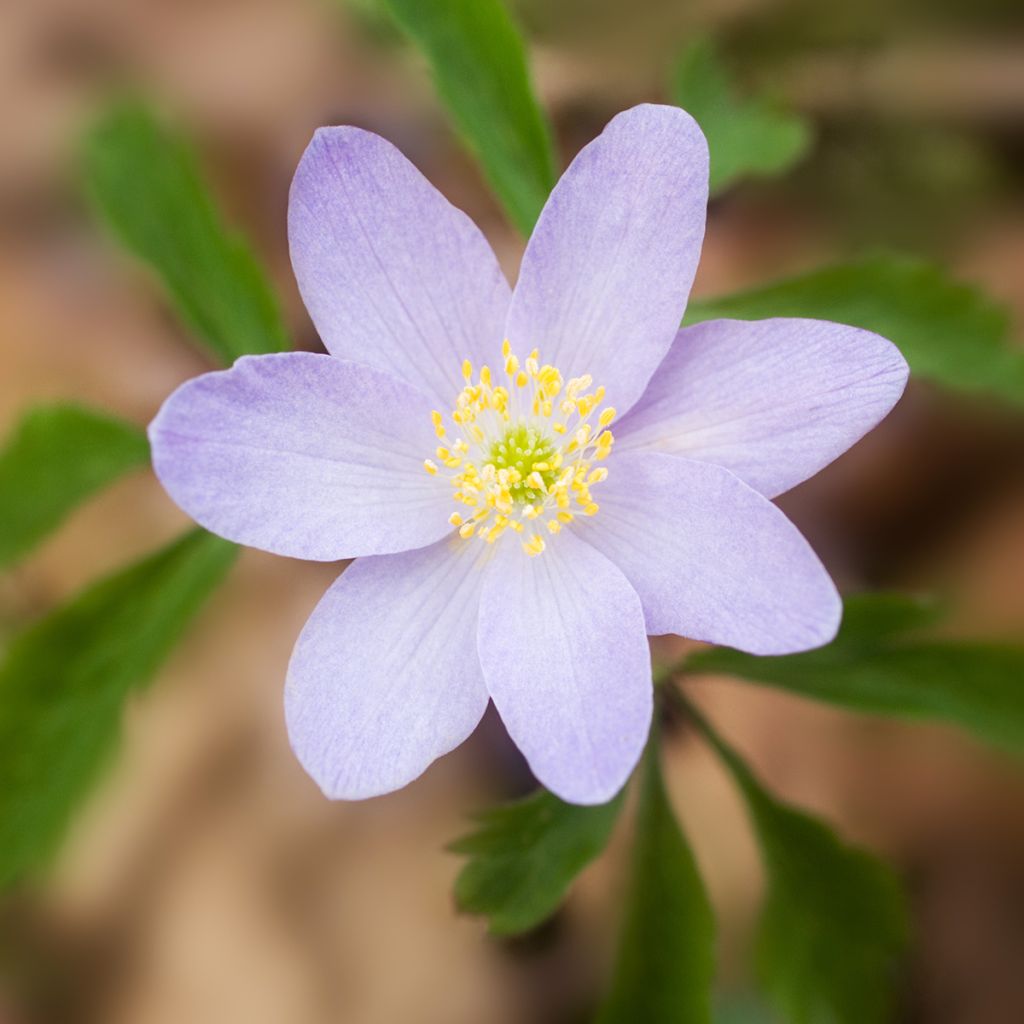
(458, 442)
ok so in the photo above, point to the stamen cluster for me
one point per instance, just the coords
(525, 458)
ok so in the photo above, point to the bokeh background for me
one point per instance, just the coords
(207, 880)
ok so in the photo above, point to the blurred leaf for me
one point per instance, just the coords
(949, 332)
(875, 666)
(525, 855)
(746, 137)
(64, 680)
(376, 22)
(56, 457)
(741, 1007)
(886, 179)
(666, 958)
(146, 183)
(479, 65)
(834, 926)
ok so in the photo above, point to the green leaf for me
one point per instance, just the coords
(64, 681)
(525, 855)
(743, 1008)
(880, 664)
(146, 183)
(56, 457)
(479, 65)
(665, 962)
(753, 136)
(949, 332)
(834, 926)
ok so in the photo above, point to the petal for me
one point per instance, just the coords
(605, 277)
(710, 557)
(384, 678)
(392, 274)
(566, 661)
(303, 455)
(775, 401)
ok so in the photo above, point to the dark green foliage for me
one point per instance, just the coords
(56, 457)
(64, 681)
(146, 184)
(666, 951)
(834, 927)
(881, 664)
(479, 65)
(747, 136)
(525, 855)
(948, 332)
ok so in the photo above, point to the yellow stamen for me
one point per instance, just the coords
(534, 546)
(527, 452)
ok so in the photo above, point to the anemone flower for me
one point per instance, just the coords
(457, 442)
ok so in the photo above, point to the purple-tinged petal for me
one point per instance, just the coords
(606, 275)
(567, 665)
(775, 401)
(303, 455)
(710, 557)
(392, 274)
(385, 678)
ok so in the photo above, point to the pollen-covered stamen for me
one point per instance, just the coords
(525, 460)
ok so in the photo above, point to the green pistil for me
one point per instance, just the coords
(522, 448)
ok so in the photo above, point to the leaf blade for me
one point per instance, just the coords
(665, 963)
(747, 137)
(525, 855)
(63, 682)
(949, 332)
(879, 664)
(146, 185)
(479, 65)
(834, 926)
(56, 457)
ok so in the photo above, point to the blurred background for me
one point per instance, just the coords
(207, 880)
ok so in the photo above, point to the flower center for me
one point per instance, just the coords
(525, 458)
(526, 451)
